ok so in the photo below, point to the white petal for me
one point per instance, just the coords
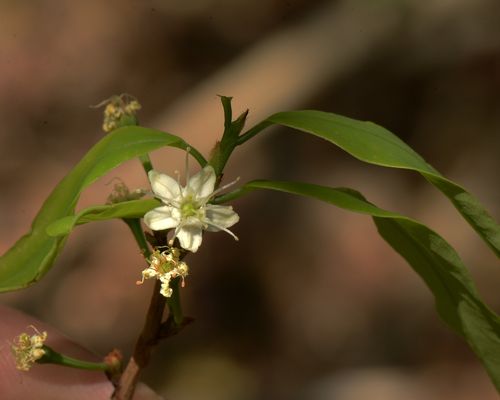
(220, 216)
(202, 184)
(161, 218)
(190, 237)
(164, 186)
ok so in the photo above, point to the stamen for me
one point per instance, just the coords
(215, 192)
(222, 229)
(35, 329)
(102, 103)
(186, 165)
(177, 173)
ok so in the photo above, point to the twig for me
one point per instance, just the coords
(148, 338)
(153, 331)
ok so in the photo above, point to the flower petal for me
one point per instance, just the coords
(220, 216)
(164, 186)
(190, 237)
(161, 218)
(202, 184)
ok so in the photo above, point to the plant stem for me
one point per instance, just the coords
(252, 132)
(223, 149)
(174, 302)
(153, 330)
(53, 357)
(135, 226)
(147, 340)
(146, 162)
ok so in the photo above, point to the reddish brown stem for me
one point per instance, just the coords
(153, 331)
(147, 340)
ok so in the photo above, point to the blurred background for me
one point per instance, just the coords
(310, 303)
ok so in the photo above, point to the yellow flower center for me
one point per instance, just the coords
(189, 208)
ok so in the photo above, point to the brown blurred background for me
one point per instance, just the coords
(310, 303)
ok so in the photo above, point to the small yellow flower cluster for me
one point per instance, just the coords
(165, 266)
(27, 349)
(117, 109)
(121, 192)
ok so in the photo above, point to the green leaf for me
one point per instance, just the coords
(33, 254)
(431, 257)
(126, 209)
(376, 145)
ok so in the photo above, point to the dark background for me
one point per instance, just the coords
(310, 303)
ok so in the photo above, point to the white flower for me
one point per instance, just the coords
(186, 208)
(165, 266)
(27, 349)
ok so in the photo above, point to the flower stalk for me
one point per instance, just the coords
(28, 350)
(53, 357)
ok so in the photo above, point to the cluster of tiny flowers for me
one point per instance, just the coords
(165, 266)
(117, 108)
(27, 349)
(121, 193)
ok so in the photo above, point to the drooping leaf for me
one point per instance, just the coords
(376, 145)
(430, 256)
(33, 254)
(126, 209)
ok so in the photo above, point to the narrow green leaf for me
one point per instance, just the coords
(126, 209)
(431, 257)
(33, 254)
(376, 145)
(444, 273)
